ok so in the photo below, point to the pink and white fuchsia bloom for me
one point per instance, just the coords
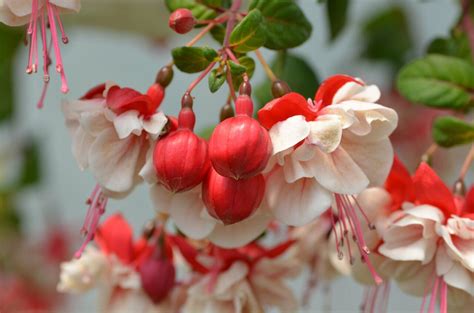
(38, 14)
(113, 129)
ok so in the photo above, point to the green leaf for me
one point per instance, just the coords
(236, 69)
(457, 46)
(249, 64)
(218, 33)
(337, 16)
(193, 59)
(249, 34)
(295, 71)
(200, 11)
(31, 170)
(9, 217)
(216, 80)
(449, 131)
(285, 24)
(212, 3)
(386, 37)
(438, 81)
(10, 39)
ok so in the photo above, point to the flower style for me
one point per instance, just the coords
(38, 14)
(189, 213)
(247, 279)
(113, 129)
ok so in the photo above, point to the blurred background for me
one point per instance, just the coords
(42, 191)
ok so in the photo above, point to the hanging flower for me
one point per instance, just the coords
(113, 129)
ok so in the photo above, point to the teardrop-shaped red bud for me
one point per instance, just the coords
(181, 160)
(231, 200)
(182, 21)
(239, 147)
(244, 105)
(186, 118)
(157, 277)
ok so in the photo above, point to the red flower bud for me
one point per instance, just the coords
(158, 278)
(182, 21)
(181, 160)
(239, 146)
(231, 200)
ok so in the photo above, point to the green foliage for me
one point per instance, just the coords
(200, 10)
(31, 169)
(337, 16)
(449, 131)
(285, 24)
(218, 33)
(386, 37)
(10, 39)
(438, 81)
(295, 71)
(193, 59)
(216, 79)
(249, 64)
(249, 34)
(9, 218)
(456, 46)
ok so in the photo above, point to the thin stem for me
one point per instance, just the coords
(200, 78)
(231, 22)
(265, 66)
(231, 55)
(467, 163)
(426, 157)
(231, 85)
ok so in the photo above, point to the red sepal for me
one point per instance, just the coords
(94, 93)
(328, 88)
(399, 185)
(115, 236)
(121, 100)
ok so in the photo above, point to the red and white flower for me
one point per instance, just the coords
(335, 145)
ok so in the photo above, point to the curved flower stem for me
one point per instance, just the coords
(231, 55)
(426, 157)
(467, 163)
(234, 10)
(200, 78)
(265, 66)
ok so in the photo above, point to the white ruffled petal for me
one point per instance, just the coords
(74, 5)
(241, 233)
(147, 172)
(326, 132)
(288, 133)
(114, 162)
(155, 124)
(127, 123)
(338, 172)
(297, 203)
(81, 143)
(161, 198)
(373, 158)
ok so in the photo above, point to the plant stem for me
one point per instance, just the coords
(426, 157)
(467, 163)
(200, 78)
(265, 66)
(231, 84)
(232, 56)
(231, 22)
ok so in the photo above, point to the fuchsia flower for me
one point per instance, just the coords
(113, 130)
(247, 279)
(38, 14)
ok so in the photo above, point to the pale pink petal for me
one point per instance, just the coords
(241, 233)
(326, 132)
(7, 17)
(413, 277)
(288, 133)
(155, 124)
(460, 249)
(274, 293)
(297, 203)
(114, 161)
(338, 172)
(128, 123)
(74, 5)
(81, 144)
(424, 211)
(295, 165)
(19, 7)
(373, 158)
(161, 198)
(186, 211)
(94, 122)
(147, 172)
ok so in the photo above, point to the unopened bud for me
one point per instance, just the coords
(280, 88)
(165, 76)
(182, 21)
(227, 111)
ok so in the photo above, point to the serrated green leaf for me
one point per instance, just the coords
(249, 65)
(284, 22)
(216, 80)
(337, 16)
(386, 37)
(295, 71)
(249, 34)
(236, 69)
(457, 46)
(199, 10)
(438, 81)
(193, 59)
(449, 131)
